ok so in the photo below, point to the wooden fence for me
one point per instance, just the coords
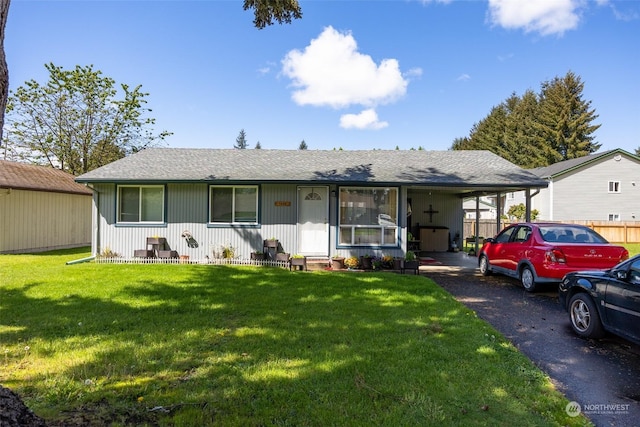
(613, 231)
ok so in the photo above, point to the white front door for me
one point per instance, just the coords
(313, 221)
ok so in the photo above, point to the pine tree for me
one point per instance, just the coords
(241, 140)
(258, 146)
(564, 121)
(303, 145)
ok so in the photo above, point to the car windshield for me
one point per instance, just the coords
(570, 234)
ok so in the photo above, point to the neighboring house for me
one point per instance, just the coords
(42, 208)
(599, 187)
(486, 207)
(316, 203)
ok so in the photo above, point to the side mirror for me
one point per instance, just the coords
(621, 274)
(490, 240)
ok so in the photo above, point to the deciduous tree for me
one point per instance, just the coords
(79, 120)
(268, 11)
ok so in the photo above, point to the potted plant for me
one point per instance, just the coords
(257, 256)
(366, 262)
(337, 262)
(282, 256)
(410, 262)
(351, 262)
(387, 261)
(298, 261)
(271, 243)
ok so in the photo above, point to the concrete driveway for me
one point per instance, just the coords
(603, 377)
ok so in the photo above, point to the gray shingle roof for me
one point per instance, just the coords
(23, 176)
(415, 167)
(568, 165)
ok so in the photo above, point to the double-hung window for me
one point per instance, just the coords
(233, 204)
(614, 186)
(141, 204)
(368, 216)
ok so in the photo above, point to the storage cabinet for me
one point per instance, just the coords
(434, 239)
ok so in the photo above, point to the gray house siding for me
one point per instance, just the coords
(583, 194)
(187, 210)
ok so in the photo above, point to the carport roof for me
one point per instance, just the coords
(470, 170)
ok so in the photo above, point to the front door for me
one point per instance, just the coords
(313, 221)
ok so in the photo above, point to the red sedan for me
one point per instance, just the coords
(544, 252)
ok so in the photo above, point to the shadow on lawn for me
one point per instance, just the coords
(254, 344)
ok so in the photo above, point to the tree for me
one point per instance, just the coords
(4, 70)
(303, 145)
(75, 122)
(537, 130)
(564, 120)
(258, 146)
(518, 212)
(266, 11)
(241, 140)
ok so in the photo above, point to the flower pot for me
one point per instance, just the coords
(300, 263)
(366, 263)
(397, 263)
(411, 265)
(337, 263)
(271, 243)
(257, 256)
(282, 256)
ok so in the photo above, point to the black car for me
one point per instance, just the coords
(604, 301)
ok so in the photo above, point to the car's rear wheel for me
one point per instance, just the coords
(584, 316)
(528, 279)
(484, 265)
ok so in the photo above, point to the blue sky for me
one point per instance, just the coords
(357, 74)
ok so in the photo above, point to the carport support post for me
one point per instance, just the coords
(498, 212)
(527, 210)
(475, 244)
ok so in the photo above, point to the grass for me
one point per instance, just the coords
(185, 345)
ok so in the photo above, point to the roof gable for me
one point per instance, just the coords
(560, 168)
(23, 176)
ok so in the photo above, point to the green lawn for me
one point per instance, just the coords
(196, 345)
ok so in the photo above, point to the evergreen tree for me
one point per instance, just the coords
(303, 145)
(537, 130)
(258, 146)
(564, 120)
(241, 140)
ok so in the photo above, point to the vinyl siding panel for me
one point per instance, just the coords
(584, 194)
(34, 221)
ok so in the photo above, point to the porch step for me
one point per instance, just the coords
(318, 263)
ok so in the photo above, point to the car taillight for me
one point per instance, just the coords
(555, 255)
(625, 256)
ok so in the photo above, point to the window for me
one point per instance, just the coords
(233, 204)
(368, 216)
(141, 203)
(614, 217)
(614, 186)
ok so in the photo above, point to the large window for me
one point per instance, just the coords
(368, 216)
(141, 203)
(233, 204)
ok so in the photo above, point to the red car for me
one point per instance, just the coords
(544, 252)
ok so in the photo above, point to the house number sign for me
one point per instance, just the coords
(283, 203)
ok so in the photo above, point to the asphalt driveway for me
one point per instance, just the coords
(603, 377)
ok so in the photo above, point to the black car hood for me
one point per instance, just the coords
(591, 273)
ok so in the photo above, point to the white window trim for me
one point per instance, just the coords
(616, 186)
(613, 217)
(139, 187)
(382, 228)
(233, 222)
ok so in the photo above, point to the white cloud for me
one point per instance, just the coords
(331, 72)
(546, 17)
(463, 77)
(367, 119)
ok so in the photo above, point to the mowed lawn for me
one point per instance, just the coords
(199, 345)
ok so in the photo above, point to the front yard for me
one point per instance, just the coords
(104, 344)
